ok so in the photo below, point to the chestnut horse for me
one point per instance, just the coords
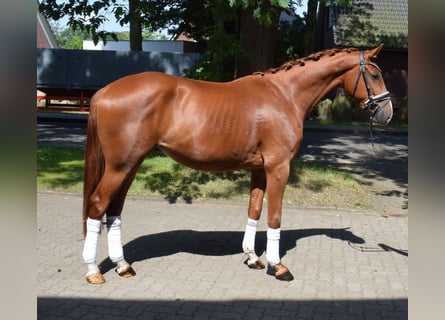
(253, 123)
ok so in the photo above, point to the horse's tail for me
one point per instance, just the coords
(94, 161)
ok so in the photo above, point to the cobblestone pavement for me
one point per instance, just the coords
(189, 263)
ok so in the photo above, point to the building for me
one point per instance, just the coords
(147, 45)
(45, 36)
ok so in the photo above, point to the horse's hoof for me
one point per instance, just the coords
(282, 273)
(95, 278)
(257, 264)
(127, 272)
(286, 276)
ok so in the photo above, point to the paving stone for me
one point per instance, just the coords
(189, 267)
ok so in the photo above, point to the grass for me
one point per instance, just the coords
(61, 169)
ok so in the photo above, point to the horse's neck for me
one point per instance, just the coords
(310, 83)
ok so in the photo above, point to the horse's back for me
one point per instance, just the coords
(136, 86)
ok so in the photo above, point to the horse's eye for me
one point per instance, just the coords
(375, 76)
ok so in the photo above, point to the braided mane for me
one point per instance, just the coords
(302, 61)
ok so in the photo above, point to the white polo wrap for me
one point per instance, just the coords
(115, 250)
(249, 239)
(91, 239)
(273, 246)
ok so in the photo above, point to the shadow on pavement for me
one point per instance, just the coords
(82, 308)
(215, 243)
(354, 154)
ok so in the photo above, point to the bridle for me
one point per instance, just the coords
(372, 102)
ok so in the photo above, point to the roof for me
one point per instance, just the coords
(367, 23)
(45, 36)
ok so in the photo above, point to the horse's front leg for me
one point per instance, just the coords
(276, 183)
(257, 189)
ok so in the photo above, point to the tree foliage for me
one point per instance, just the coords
(224, 27)
(240, 36)
(67, 38)
(82, 15)
(89, 16)
(290, 45)
(311, 20)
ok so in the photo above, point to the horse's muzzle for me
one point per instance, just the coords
(383, 114)
(380, 108)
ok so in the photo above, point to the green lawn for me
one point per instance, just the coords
(61, 169)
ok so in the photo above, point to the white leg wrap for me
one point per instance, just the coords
(249, 239)
(91, 239)
(273, 246)
(122, 265)
(92, 269)
(115, 251)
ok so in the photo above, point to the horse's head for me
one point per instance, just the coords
(365, 83)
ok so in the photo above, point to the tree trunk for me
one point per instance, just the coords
(135, 25)
(259, 40)
(311, 23)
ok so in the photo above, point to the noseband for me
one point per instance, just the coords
(372, 102)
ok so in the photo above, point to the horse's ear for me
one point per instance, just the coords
(372, 54)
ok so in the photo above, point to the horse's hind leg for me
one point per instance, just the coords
(257, 189)
(113, 185)
(114, 222)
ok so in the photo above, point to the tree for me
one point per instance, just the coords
(290, 40)
(258, 32)
(89, 16)
(68, 38)
(311, 20)
(240, 36)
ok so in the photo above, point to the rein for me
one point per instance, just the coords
(372, 102)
